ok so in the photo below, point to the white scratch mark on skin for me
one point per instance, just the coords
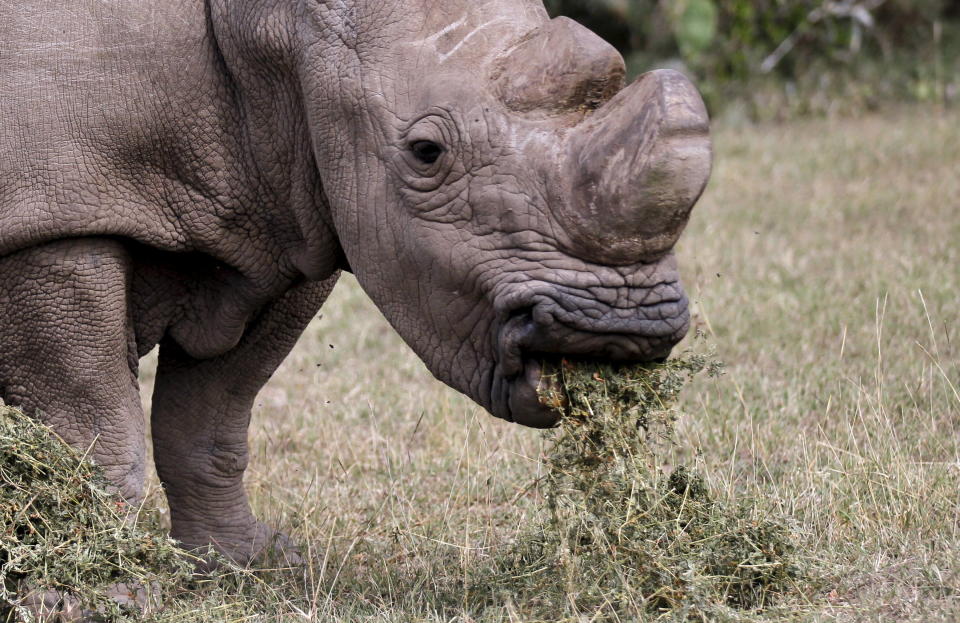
(443, 31)
(520, 140)
(444, 57)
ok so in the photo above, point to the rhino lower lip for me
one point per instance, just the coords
(518, 375)
(535, 394)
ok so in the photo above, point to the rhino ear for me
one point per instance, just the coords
(558, 67)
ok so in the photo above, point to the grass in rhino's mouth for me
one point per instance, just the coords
(622, 532)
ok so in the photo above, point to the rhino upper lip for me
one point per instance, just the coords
(531, 334)
(552, 334)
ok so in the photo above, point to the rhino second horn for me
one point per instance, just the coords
(559, 67)
(637, 167)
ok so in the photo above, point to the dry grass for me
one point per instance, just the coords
(823, 263)
(71, 550)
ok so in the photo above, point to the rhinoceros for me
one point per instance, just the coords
(195, 174)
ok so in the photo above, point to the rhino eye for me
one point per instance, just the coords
(426, 152)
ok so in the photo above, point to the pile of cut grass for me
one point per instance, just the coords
(625, 535)
(63, 532)
(72, 550)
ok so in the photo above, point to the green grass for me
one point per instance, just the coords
(823, 263)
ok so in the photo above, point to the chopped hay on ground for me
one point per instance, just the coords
(62, 530)
(65, 536)
(625, 536)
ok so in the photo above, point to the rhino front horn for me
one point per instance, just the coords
(636, 167)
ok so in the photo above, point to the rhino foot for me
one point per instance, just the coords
(266, 548)
(274, 549)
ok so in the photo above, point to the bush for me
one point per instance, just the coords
(875, 49)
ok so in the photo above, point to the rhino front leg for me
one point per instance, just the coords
(201, 410)
(67, 351)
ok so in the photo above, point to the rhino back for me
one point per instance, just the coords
(115, 120)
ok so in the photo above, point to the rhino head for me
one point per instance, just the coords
(497, 192)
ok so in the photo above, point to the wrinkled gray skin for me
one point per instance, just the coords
(197, 174)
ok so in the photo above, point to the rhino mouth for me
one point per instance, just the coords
(532, 344)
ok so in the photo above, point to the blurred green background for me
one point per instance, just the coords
(777, 59)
